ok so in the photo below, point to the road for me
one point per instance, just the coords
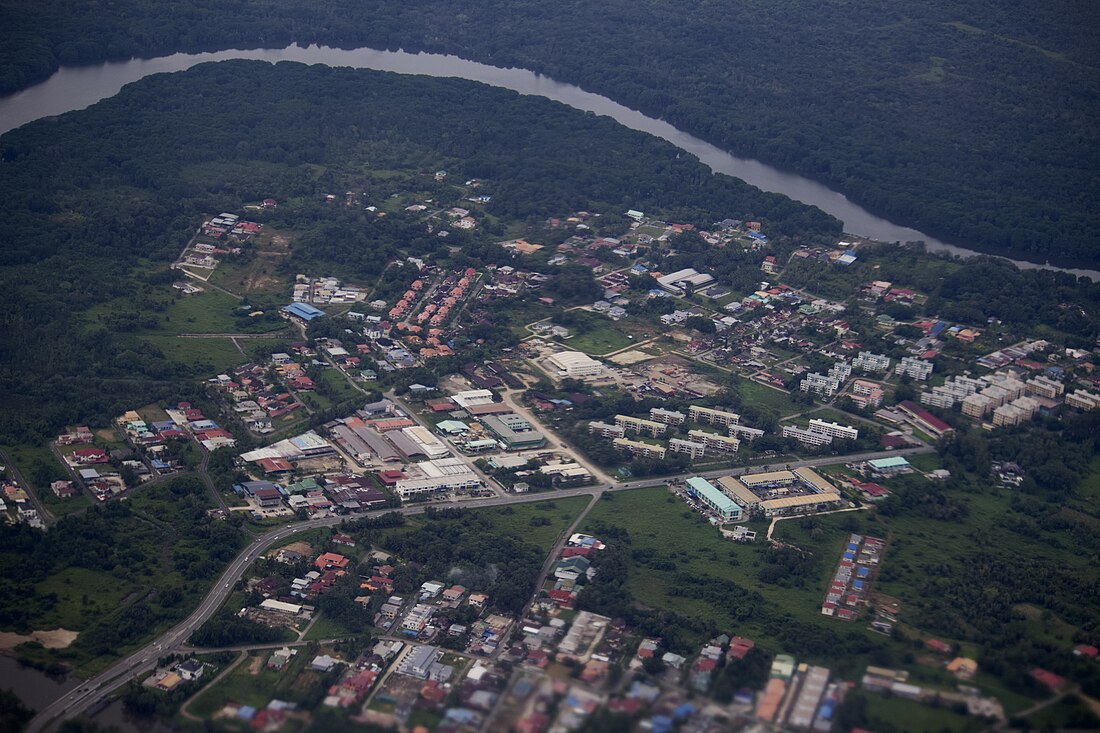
(17, 476)
(144, 660)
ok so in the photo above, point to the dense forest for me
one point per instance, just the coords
(100, 201)
(970, 120)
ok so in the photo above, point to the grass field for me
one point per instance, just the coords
(243, 687)
(918, 718)
(660, 523)
(517, 520)
(757, 394)
(601, 339)
(82, 594)
(324, 628)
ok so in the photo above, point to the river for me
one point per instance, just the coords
(77, 87)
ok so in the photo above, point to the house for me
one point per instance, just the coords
(571, 568)
(190, 669)
(323, 663)
(330, 561)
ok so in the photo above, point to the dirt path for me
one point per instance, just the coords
(184, 708)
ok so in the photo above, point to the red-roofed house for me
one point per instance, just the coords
(331, 560)
(85, 456)
(1086, 650)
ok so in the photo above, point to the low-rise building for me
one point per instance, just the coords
(843, 432)
(668, 417)
(691, 448)
(640, 425)
(575, 364)
(711, 416)
(806, 437)
(706, 494)
(918, 369)
(715, 442)
(639, 449)
(606, 430)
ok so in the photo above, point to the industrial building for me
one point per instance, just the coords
(448, 474)
(513, 432)
(706, 494)
(677, 282)
(575, 364)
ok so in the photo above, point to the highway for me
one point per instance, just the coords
(144, 660)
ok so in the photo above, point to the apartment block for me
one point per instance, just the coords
(639, 449)
(807, 437)
(667, 417)
(690, 447)
(715, 442)
(640, 425)
(605, 430)
(710, 416)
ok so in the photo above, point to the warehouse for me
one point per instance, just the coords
(575, 364)
(513, 432)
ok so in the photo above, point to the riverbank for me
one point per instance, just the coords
(76, 87)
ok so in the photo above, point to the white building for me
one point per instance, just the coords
(637, 448)
(918, 369)
(715, 442)
(640, 425)
(677, 282)
(710, 416)
(473, 397)
(668, 417)
(575, 364)
(691, 448)
(1083, 400)
(869, 362)
(844, 432)
(807, 437)
(606, 430)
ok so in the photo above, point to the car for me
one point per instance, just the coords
(289, 526)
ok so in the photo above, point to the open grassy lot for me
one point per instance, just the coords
(670, 541)
(918, 718)
(324, 628)
(537, 522)
(600, 339)
(250, 683)
(757, 394)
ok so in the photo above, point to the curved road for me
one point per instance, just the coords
(144, 660)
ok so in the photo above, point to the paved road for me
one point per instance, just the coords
(144, 660)
(43, 514)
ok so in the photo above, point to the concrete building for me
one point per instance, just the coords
(706, 494)
(918, 369)
(820, 384)
(668, 417)
(448, 474)
(639, 449)
(711, 416)
(575, 364)
(640, 425)
(691, 448)
(428, 444)
(806, 437)
(869, 362)
(977, 405)
(744, 432)
(799, 504)
(1082, 400)
(715, 442)
(514, 432)
(844, 432)
(677, 282)
(606, 430)
(739, 492)
(814, 681)
(1044, 387)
